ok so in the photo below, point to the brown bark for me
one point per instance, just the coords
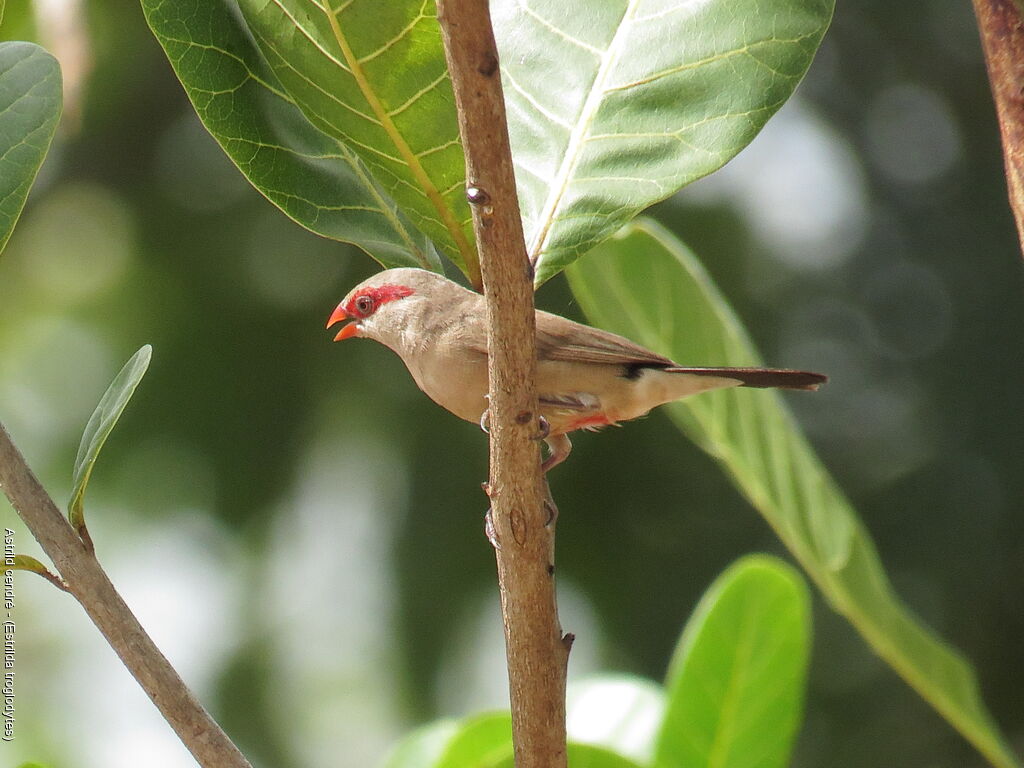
(523, 519)
(87, 581)
(1002, 37)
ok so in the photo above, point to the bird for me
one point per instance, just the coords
(587, 378)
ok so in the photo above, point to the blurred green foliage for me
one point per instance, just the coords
(733, 697)
(340, 509)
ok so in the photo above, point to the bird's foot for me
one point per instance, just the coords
(559, 446)
(485, 421)
(489, 530)
(552, 511)
(543, 428)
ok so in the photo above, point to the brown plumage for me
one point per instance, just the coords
(586, 377)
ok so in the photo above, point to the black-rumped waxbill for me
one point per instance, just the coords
(586, 378)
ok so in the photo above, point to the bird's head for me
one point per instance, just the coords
(380, 307)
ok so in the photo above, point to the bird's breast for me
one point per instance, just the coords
(452, 378)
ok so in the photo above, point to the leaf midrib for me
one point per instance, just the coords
(726, 726)
(578, 135)
(466, 251)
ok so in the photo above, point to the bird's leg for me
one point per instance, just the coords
(559, 446)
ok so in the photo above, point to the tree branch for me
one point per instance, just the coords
(1002, 37)
(86, 580)
(523, 522)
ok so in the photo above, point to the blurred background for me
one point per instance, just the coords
(301, 530)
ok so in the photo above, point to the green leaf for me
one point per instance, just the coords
(589, 756)
(30, 104)
(754, 438)
(737, 679)
(19, 22)
(24, 563)
(101, 423)
(615, 105)
(585, 756)
(315, 179)
(617, 712)
(29, 563)
(480, 741)
(373, 75)
(424, 747)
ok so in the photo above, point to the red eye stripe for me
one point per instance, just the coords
(380, 295)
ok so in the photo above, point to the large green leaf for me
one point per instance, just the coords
(736, 682)
(584, 756)
(373, 75)
(315, 179)
(423, 747)
(617, 104)
(476, 742)
(30, 103)
(646, 285)
(481, 741)
(99, 427)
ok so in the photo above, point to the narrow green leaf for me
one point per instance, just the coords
(30, 104)
(480, 741)
(24, 563)
(618, 712)
(373, 75)
(101, 423)
(737, 679)
(754, 438)
(315, 179)
(29, 563)
(615, 105)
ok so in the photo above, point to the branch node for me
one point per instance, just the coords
(477, 196)
(83, 534)
(488, 64)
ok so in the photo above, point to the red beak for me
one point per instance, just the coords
(350, 330)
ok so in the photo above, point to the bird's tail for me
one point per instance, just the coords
(760, 377)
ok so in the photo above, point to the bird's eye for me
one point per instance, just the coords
(364, 305)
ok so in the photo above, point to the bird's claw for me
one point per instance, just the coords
(544, 428)
(489, 531)
(552, 511)
(485, 421)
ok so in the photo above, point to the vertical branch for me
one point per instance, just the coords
(523, 518)
(86, 580)
(1002, 36)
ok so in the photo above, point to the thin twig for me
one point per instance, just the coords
(88, 583)
(536, 650)
(1001, 23)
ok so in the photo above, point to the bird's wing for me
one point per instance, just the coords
(574, 402)
(564, 340)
